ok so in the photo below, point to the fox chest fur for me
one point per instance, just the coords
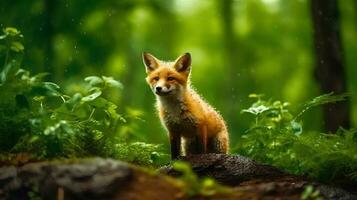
(178, 118)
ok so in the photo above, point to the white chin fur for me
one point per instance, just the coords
(166, 90)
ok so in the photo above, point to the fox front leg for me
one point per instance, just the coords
(175, 142)
(202, 140)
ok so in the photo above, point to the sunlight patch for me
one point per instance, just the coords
(188, 6)
(272, 5)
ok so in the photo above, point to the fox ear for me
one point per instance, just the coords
(183, 63)
(150, 62)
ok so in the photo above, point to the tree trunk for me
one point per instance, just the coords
(229, 50)
(48, 38)
(330, 70)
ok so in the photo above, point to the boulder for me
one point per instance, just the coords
(82, 179)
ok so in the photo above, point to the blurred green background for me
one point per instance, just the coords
(238, 47)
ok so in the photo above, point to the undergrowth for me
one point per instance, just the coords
(192, 185)
(39, 119)
(277, 137)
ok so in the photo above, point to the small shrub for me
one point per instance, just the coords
(277, 137)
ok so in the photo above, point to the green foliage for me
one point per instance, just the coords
(139, 153)
(311, 193)
(37, 117)
(194, 186)
(277, 138)
(320, 100)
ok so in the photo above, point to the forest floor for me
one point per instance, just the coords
(99, 178)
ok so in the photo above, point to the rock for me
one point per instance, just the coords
(8, 179)
(248, 175)
(86, 179)
(335, 193)
(227, 169)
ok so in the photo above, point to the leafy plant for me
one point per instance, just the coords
(311, 193)
(277, 137)
(38, 118)
(320, 100)
(138, 152)
(194, 186)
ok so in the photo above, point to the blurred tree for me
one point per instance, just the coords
(229, 52)
(48, 33)
(228, 39)
(229, 58)
(330, 70)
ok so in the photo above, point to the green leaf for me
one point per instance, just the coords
(296, 127)
(256, 110)
(52, 88)
(322, 99)
(5, 72)
(325, 98)
(99, 103)
(11, 31)
(66, 127)
(22, 72)
(258, 96)
(51, 85)
(17, 47)
(74, 101)
(111, 111)
(50, 130)
(306, 194)
(38, 98)
(94, 80)
(110, 82)
(39, 77)
(92, 96)
(185, 169)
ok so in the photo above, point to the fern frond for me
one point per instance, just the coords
(321, 100)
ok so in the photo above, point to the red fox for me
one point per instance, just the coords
(182, 111)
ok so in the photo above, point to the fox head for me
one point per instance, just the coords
(167, 78)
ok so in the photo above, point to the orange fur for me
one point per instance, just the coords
(182, 111)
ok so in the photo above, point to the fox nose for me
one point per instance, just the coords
(158, 89)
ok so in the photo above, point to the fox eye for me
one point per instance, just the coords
(156, 78)
(170, 78)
